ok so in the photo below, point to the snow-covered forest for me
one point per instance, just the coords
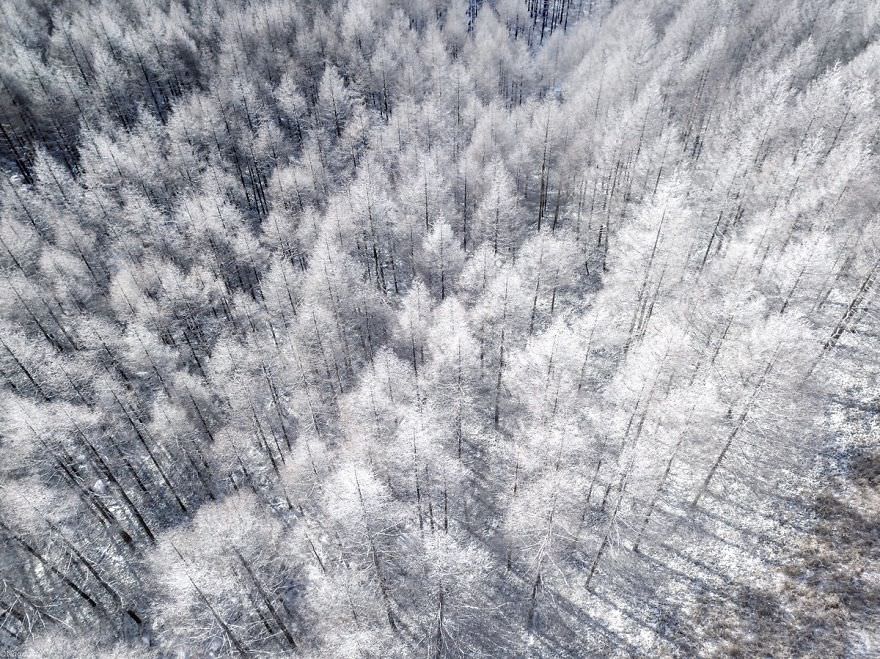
(412, 328)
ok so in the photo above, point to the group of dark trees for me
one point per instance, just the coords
(421, 328)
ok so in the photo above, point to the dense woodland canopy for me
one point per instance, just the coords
(385, 328)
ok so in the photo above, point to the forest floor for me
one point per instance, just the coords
(789, 568)
(795, 575)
